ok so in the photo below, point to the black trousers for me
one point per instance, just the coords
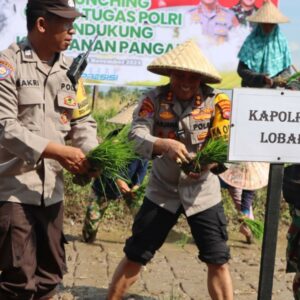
(32, 254)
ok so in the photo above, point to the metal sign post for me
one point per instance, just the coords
(268, 251)
(95, 95)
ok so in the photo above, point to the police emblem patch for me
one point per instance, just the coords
(202, 135)
(69, 101)
(166, 113)
(5, 69)
(147, 108)
(201, 114)
(64, 118)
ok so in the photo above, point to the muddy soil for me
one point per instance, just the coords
(174, 273)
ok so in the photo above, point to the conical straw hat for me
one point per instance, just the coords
(124, 117)
(268, 13)
(247, 175)
(186, 57)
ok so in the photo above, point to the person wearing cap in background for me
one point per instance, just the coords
(38, 112)
(106, 189)
(216, 21)
(170, 124)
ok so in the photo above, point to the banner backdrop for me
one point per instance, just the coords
(132, 32)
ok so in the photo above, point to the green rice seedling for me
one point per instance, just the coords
(256, 227)
(295, 76)
(215, 151)
(113, 155)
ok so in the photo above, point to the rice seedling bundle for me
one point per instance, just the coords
(294, 77)
(256, 227)
(112, 156)
(215, 151)
(287, 81)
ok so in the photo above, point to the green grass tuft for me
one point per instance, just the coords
(256, 227)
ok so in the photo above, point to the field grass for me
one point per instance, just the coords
(230, 80)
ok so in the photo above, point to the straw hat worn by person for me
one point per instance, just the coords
(241, 180)
(265, 56)
(170, 124)
(247, 175)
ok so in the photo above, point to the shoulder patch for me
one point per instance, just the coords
(225, 106)
(220, 97)
(5, 69)
(147, 108)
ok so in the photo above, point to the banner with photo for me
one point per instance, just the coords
(131, 33)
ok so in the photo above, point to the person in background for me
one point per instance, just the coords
(106, 189)
(242, 200)
(170, 124)
(264, 57)
(242, 179)
(244, 9)
(39, 110)
(216, 21)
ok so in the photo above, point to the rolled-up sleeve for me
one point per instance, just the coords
(15, 137)
(249, 77)
(142, 127)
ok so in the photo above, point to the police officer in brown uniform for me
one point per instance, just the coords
(37, 108)
(170, 124)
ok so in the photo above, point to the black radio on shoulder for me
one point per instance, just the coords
(79, 64)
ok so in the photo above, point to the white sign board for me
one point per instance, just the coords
(265, 126)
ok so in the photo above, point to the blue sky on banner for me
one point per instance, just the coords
(291, 9)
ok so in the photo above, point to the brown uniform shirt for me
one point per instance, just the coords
(160, 114)
(37, 106)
